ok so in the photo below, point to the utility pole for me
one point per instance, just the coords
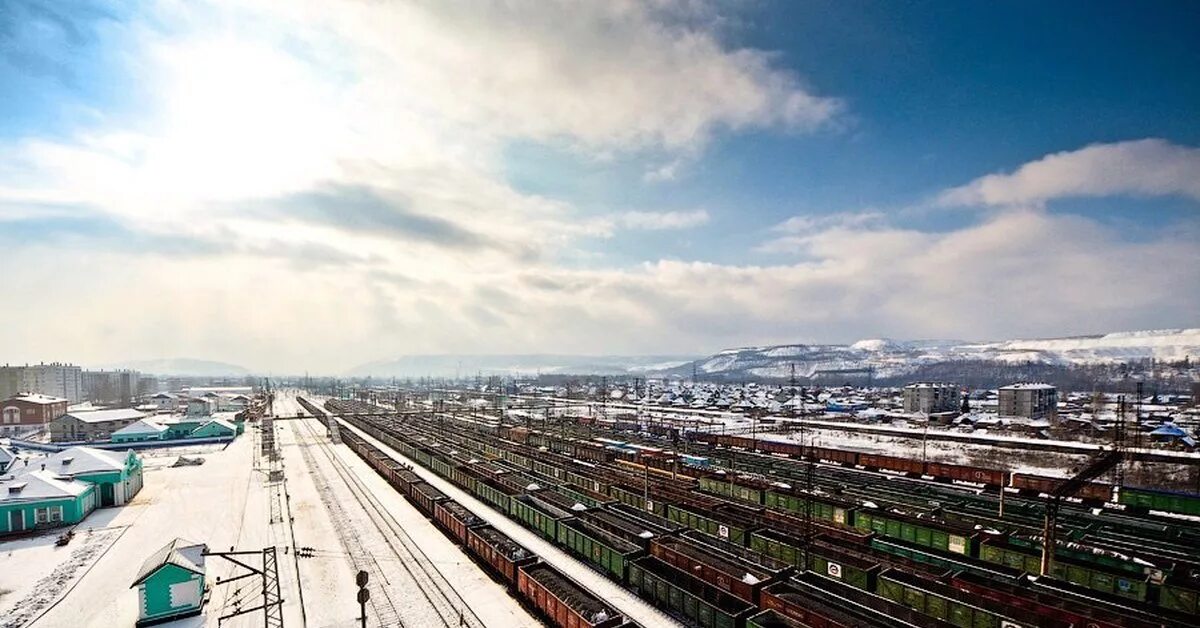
(272, 605)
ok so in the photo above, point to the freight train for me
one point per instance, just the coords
(557, 598)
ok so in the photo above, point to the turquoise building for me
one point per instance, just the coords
(63, 488)
(42, 499)
(216, 428)
(140, 431)
(171, 583)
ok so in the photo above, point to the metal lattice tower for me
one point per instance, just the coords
(272, 600)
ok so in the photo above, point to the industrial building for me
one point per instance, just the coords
(1029, 400)
(150, 429)
(29, 411)
(932, 398)
(55, 379)
(92, 425)
(171, 583)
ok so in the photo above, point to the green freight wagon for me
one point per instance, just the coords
(537, 514)
(1167, 501)
(547, 469)
(1083, 555)
(778, 545)
(946, 561)
(1096, 578)
(463, 477)
(948, 604)
(853, 568)
(579, 495)
(440, 466)
(926, 533)
(1179, 595)
(740, 488)
(720, 525)
(695, 601)
(515, 458)
(606, 550)
(857, 570)
(585, 482)
(794, 501)
(637, 499)
(492, 494)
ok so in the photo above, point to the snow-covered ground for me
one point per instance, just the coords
(399, 539)
(226, 503)
(221, 503)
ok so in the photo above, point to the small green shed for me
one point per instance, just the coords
(171, 583)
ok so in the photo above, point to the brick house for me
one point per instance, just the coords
(22, 413)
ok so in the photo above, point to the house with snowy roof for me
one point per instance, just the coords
(140, 431)
(117, 475)
(215, 428)
(43, 499)
(93, 425)
(171, 583)
(30, 411)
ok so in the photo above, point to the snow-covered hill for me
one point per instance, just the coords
(181, 367)
(887, 358)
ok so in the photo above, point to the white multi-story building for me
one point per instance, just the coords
(54, 379)
(932, 397)
(1029, 400)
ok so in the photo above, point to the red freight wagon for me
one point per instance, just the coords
(835, 455)
(964, 473)
(456, 518)
(425, 496)
(565, 603)
(891, 463)
(723, 571)
(1036, 483)
(499, 552)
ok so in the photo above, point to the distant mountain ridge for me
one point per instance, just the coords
(505, 364)
(180, 367)
(884, 357)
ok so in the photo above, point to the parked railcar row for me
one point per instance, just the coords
(756, 527)
(603, 536)
(560, 600)
(1128, 532)
(1157, 573)
(1137, 498)
(1176, 592)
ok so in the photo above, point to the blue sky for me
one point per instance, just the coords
(616, 177)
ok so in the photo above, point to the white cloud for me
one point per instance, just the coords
(656, 221)
(1149, 167)
(798, 232)
(1018, 274)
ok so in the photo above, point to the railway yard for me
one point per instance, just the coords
(603, 523)
(537, 515)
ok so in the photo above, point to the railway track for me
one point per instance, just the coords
(422, 575)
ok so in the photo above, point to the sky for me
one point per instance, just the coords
(295, 186)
